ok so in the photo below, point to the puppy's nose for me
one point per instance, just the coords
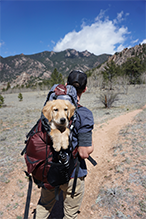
(62, 120)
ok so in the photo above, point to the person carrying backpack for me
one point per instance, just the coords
(82, 137)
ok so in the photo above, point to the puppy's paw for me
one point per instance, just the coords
(56, 136)
(65, 147)
(57, 147)
(65, 139)
(65, 142)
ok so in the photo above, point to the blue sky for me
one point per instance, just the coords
(97, 26)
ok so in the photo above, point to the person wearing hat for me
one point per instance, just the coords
(82, 136)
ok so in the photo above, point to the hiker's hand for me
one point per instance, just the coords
(84, 152)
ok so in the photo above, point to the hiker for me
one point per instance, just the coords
(82, 136)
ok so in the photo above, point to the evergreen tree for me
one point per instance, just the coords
(1, 100)
(20, 97)
(56, 78)
(111, 71)
(8, 86)
(133, 68)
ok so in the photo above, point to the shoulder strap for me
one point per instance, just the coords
(28, 195)
(92, 160)
(75, 178)
(33, 128)
(78, 105)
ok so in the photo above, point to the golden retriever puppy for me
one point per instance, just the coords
(58, 112)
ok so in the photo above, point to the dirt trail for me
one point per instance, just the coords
(103, 137)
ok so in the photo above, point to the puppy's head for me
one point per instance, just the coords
(59, 111)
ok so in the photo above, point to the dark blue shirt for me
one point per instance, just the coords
(82, 134)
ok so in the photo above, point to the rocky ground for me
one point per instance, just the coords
(115, 188)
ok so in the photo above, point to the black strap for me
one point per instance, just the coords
(49, 94)
(92, 160)
(24, 150)
(73, 101)
(33, 128)
(28, 195)
(75, 179)
(76, 173)
(57, 193)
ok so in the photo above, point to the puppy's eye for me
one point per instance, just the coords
(55, 110)
(65, 109)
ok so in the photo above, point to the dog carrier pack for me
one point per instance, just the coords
(46, 167)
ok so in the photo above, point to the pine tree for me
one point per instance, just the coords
(8, 86)
(110, 72)
(56, 78)
(133, 68)
(1, 100)
(20, 97)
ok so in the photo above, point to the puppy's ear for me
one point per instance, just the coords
(47, 110)
(71, 110)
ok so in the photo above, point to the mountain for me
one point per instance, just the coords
(21, 68)
(121, 57)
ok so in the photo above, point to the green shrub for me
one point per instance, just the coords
(20, 97)
(1, 100)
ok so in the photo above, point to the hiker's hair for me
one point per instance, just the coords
(79, 90)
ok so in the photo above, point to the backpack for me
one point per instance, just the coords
(49, 168)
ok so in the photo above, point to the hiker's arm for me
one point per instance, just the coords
(84, 152)
(86, 146)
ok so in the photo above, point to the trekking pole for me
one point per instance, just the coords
(28, 195)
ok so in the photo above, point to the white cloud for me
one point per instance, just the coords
(120, 48)
(52, 41)
(2, 43)
(98, 38)
(119, 17)
(135, 41)
(144, 41)
(101, 15)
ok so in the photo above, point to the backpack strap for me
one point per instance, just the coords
(78, 105)
(57, 193)
(33, 128)
(75, 178)
(28, 195)
(76, 173)
(48, 97)
(92, 160)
